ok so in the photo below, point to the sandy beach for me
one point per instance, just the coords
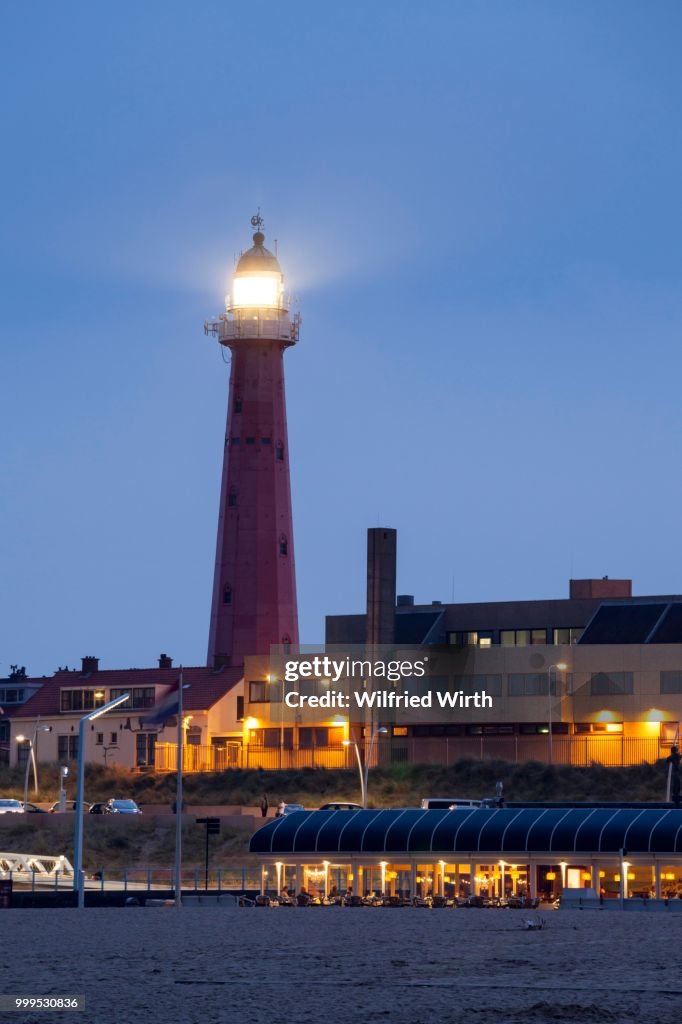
(313, 965)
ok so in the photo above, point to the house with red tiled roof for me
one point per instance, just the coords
(213, 711)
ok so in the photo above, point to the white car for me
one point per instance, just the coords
(11, 807)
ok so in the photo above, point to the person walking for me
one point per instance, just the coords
(264, 806)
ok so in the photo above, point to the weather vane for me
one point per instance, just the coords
(257, 221)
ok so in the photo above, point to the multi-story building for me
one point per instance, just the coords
(596, 677)
(212, 713)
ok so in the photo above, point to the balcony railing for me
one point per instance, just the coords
(280, 328)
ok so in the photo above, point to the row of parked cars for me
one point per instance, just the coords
(113, 806)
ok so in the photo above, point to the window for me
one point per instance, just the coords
(232, 499)
(542, 729)
(145, 749)
(140, 697)
(258, 692)
(318, 736)
(530, 684)
(237, 405)
(100, 739)
(472, 638)
(604, 684)
(82, 700)
(113, 738)
(282, 545)
(538, 636)
(400, 730)
(518, 637)
(11, 696)
(67, 748)
(423, 731)
(234, 440)
(266, 440)
(472, 684)
(671, 682)
(250, 440)
(227, 595)
(240, 709)
(566, 634)
(597, 728)
(279, 452)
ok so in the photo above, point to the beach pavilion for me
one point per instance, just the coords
(613, 851)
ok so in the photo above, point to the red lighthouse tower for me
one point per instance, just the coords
(254, 584)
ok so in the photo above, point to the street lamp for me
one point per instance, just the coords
(80, 787)
(561, 666)
(364, 775)
(363, 792)
(31, 759)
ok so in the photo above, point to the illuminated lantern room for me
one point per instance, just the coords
(258, 281)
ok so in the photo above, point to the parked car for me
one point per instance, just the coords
(100, 808)
(448, 803)
(341, 807)
(69, 807)
(8, 806)
(123, 807)
(33, 808)
(283, 809)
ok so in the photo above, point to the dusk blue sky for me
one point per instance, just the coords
(478, 205)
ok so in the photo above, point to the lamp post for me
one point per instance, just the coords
(363, 792)
(63, 772)
(31, 759)
(273, 679)
(379, 731)
(364, 774)
(561, 666)
(80, 786)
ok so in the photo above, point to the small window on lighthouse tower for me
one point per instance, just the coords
(232, 498)
(280, 452)
(282, 545)
(237, 405)
(227, 595)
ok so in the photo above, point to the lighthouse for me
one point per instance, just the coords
(254, 582)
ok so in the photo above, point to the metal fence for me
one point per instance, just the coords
(582, 751)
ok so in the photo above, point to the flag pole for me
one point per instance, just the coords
(178, 800)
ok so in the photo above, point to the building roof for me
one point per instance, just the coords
(509, 830)
(205, 686)
(258, 258)
(658, 622)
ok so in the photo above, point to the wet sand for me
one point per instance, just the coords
(323, 965)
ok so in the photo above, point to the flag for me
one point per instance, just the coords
(168, 706)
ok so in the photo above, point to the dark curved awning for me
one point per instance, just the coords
(531, 830)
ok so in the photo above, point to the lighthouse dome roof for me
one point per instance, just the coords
(258, 258)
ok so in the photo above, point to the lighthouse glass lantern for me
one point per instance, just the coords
(258, 282)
